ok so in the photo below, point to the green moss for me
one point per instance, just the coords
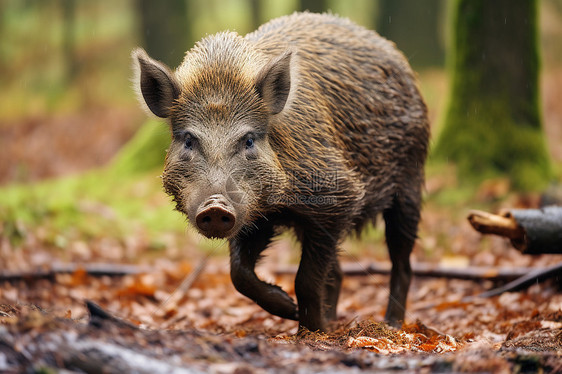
(145, 152)
(92, 205)
(484, 142)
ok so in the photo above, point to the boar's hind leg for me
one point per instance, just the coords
(401, 221)
(333, 286)
(317, 264)
(244, 254)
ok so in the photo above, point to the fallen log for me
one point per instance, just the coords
(531, 231)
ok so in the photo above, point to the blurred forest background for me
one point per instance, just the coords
(66, 102)
(67, 105)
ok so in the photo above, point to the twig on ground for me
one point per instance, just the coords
(97, 314)
(93, 269)
(185, 284)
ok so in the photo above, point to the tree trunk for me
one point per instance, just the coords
(493, 124)
(415, 28)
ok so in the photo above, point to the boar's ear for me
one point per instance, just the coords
(273, 82)
(156, 83)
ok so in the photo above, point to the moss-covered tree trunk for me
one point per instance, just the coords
(493, 124)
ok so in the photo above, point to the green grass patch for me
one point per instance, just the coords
(96, 204)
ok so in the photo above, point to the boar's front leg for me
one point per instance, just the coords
(244, 254)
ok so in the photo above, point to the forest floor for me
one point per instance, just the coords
(158, 322)
(168, 304)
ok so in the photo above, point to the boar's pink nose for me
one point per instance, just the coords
(214, 221)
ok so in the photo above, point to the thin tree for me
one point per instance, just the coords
(415, 27)
(69, 38)
(165, 29)
(315, 6)
(256, 13)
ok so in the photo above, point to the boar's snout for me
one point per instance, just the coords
(215, 217)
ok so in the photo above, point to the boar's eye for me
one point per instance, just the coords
(188, 143)
(249, 143)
